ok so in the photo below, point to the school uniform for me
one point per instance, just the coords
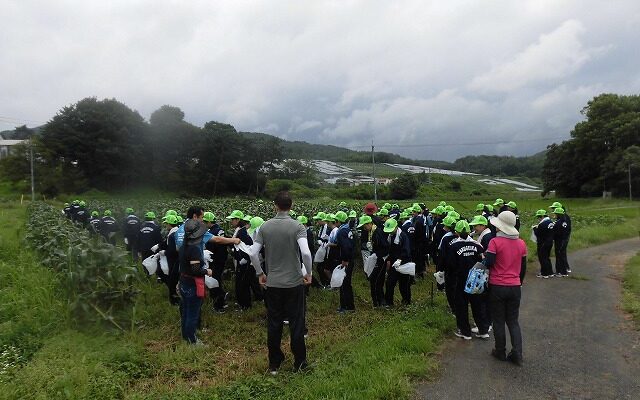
(462, 254)
(346, 246)
(544, 241)
(399, 249)
(245, 273)
(219, 256)
(444, 265)
(108, 229)
(380, 247)
(131, 227)
(561, 233)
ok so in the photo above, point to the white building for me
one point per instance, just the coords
(5, 146)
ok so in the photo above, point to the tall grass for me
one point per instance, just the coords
(631, 289)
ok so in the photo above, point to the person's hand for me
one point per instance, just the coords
(307, 279)
(262, 279)
(388, 265)
(243, 261)
(345, 264)
(236, 241)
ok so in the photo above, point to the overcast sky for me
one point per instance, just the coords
(338, 72)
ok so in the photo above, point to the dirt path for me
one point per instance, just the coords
(577, 343)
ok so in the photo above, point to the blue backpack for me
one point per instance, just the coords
(477, 280)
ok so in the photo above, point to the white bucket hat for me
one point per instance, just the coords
(505, 222)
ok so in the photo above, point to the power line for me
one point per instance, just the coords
(18, 120)
(458, 143)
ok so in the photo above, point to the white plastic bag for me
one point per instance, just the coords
(338, 276)
(439, 277)
(407, 269)
(370, 264)
(164, 264)
(211, 282)
(150, 264)
(321, 254)
(126, 241)
(533, 237)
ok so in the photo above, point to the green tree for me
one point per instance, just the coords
(404, 187)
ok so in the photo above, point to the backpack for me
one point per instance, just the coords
(477, 279)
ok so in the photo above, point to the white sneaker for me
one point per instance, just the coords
(475, 329)
(285, 321)
(460, 335)
(483, 336)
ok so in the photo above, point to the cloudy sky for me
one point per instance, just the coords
(490, 77)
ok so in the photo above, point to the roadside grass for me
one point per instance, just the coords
(631, 289)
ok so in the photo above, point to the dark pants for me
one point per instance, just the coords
(322, 275)
(172, 280)
(346, 290)
(544, 257)
(189, 310)
(450, 290)
(562, 264)
(505, 308)
(463, 300)
(218, 294)
(132, 246)
(404, 282)
(243, 284)
(419, 257)
(286, 303)
(376, 284)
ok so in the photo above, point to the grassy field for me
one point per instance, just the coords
(371, 354)
(631, 292)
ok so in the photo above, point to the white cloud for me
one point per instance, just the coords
(554, 56)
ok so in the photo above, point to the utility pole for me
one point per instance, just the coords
(630, 197)
(33, 192)
(375, 181)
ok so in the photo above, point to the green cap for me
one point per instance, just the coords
(341, 216)
(453, 214)
(448, 208)
(171, 220)
(82, 204)
(365, 219)
(353, 214)
(303, 220)
(129, 210)
(416, 208)
(449, 221)
(390, 225)
(479, 220)
(76, 202)
(498, 203)
(255, 223)
(556, 205)
(107, 213)
(171, 212)
(150, 215)
(462, 226)
(442, 204)
(438, 210)
(386, 206)
(404, 215)
(319, 216)
(479, 207)
(95, 214)
(236, 214)
(489, 207)
(329, 217)
(247, 218)
(383, 212)
(541, 213)
(512, 204)
(395, 206)
(558, 210)
(209, 216)
(342, 204)
(179, 219)
(66, 204)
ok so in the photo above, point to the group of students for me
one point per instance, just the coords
(388, 238)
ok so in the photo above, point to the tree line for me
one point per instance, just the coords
(602, 152)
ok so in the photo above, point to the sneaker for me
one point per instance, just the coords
(499, 355)
(285, 321)
(559, 275)
(490, 328)
(273, 371)
(199, 343)
(568, 270)
(219, 310)
(460, 335)
(475, 329)
(514, 359)
(539, 275)
(482, 336)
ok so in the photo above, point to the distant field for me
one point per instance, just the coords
(382, 170)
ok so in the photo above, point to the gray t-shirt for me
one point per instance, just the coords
(279, 237)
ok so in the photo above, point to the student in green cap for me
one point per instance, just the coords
(462, 254)
(149, 236)
(108, 227)
(543, 232)
(444, 263)
(513, 207)
(245, 273)
(219, 259)
(562, 240)
(561, 234)
(345, 243)
(169, 250)
(481, 231)
(94, 222)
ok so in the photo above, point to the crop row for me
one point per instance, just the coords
(98, 277)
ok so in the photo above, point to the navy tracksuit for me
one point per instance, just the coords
(131, 227)
(148, 236)
(398, 251)
(380, 246)
(444, 264)
(219, 259)
(544, 237)
(346, 245)
(561, 233)
(462, 254)
(108, 228)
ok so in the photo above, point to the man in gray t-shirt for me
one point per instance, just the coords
(285, 242)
